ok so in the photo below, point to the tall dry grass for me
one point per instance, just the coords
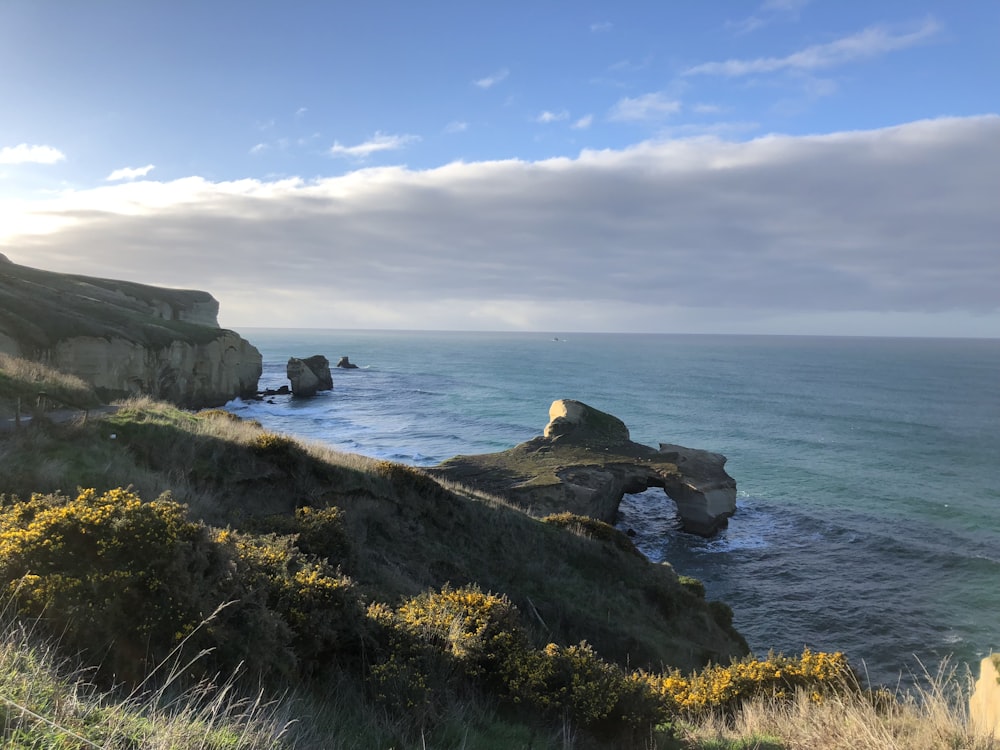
(24, 379)
(47, 703)
(932, 715)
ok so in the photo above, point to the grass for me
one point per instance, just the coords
(22, 380)
(931, 716)
(64, 306)
(44, 703)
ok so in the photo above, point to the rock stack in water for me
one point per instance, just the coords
(586, 462)
(309, 376)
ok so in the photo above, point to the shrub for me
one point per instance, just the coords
(317, 531)
(695, 586)
(593, 529)
(127, 581)
(719, 688)
(109, 573)
(320, 616)
(479, 637)
(405, 478)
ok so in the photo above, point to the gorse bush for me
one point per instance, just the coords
(126, 581)
(110, 574)
(723, 689)
(311, 614)
(478, 638)
(317, 531)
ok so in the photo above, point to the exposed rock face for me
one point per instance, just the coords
(585, 462)
(346, 364)
(310, 375)
(984, 705)
(126, 338)
(192, 374)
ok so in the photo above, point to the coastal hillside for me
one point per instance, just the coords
(125, 338)
(292, 562)
(202, 561)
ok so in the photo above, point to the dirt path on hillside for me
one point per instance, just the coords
(59, 416)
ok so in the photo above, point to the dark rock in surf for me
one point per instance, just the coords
(310, 375)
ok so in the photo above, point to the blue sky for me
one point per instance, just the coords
(783, 166)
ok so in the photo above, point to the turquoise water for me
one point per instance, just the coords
(869, 498)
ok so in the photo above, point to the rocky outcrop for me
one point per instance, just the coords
(345, 363)
(310, 375)
(984, 705)
(585, 462)
(126, 338)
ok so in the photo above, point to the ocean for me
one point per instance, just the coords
(868, 514)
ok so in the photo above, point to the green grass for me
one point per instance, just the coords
(22, 380)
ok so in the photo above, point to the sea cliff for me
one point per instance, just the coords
(125, 338)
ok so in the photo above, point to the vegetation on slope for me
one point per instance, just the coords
(405, 611)
(65, 306)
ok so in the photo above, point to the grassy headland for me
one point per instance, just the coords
(379, 608)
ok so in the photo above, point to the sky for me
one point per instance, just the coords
(768, 167)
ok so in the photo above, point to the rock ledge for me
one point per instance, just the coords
(585, 462)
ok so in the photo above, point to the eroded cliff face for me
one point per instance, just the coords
(192, 374)
(126, 338)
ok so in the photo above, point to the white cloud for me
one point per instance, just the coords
(456, 126)
(547, 116)
(25, 154)
(492, 80)
(129, 173)
(378, 142)
(653, 106)
(301, 112)
(897, 223)
(602, 27)
(769, 12)
(871, 42)
(583, 123)
(259, 148)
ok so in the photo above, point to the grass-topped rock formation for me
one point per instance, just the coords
(585, 462)
(125, 338)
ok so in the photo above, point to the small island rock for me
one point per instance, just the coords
(345, 364)
(310, 375)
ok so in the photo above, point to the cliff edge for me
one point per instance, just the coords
(125, 338)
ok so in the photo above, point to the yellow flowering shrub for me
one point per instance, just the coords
(478, 637)
(127, 581)
(723, 688)
(319, 611)
(108, 573)
(317, 531)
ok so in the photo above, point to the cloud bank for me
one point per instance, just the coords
(25, 154)
(897, 221)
